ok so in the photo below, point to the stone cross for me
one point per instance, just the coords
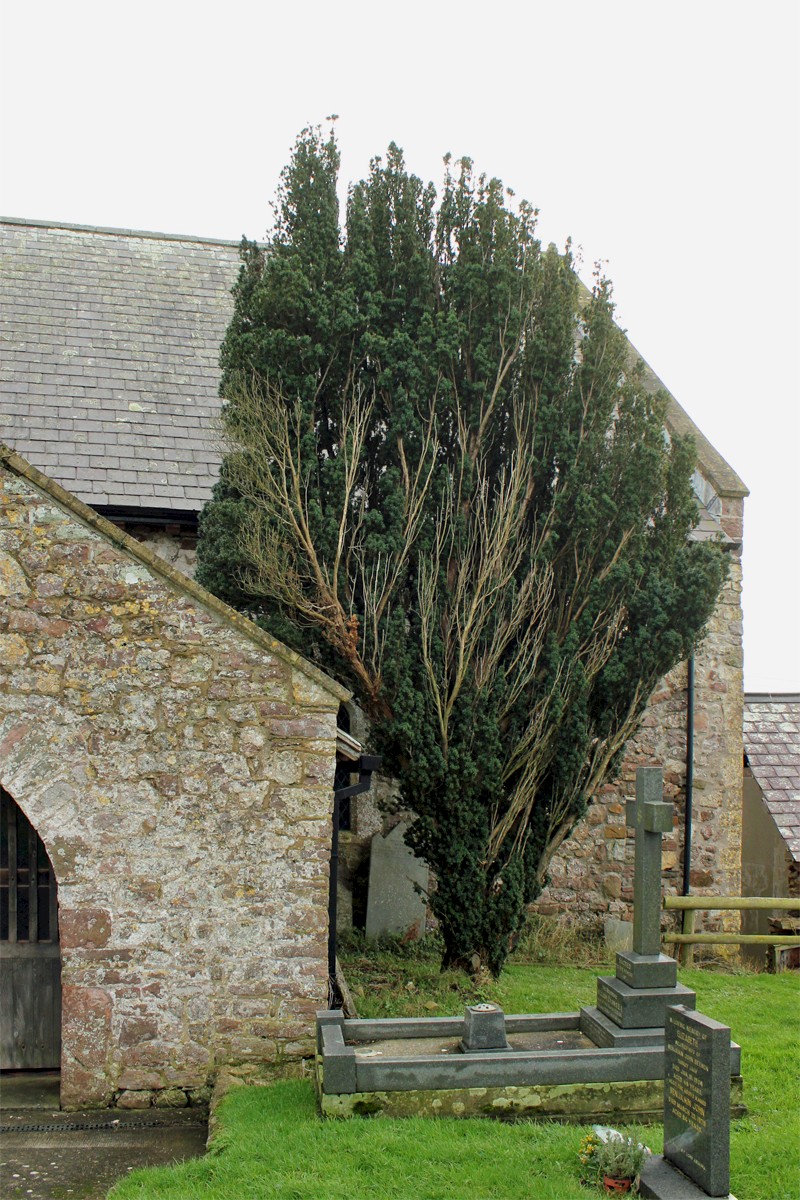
(651, 817)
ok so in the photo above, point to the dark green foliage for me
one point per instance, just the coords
(447, 483)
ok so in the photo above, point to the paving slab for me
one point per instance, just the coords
(46, 1154)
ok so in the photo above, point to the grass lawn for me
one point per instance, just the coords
(272, 1143)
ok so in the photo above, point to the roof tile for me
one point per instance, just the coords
(113, 338)
(772, 747)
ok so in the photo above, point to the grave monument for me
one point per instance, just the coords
(631, 1005)
(605, 1062)
(398, 881)
(697, 1088)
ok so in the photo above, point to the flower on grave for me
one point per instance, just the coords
(588, 1148)
(607, 1153)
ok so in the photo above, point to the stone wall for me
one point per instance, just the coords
(176, 547)
(591, 879)
(178, 765)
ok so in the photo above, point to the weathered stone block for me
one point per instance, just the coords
(139, 1081)
(13, 651)
(85, 926)
(135, 1099)
(12, 577)
(171, 1098)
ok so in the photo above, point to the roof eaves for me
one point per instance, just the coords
(719, 472)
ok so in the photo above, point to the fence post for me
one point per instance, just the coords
(687, 948)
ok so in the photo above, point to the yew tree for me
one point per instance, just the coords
(446, 482)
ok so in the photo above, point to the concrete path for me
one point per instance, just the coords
(46, 1154)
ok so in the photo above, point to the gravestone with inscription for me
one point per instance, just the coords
(697, 1097)
(631, 1005)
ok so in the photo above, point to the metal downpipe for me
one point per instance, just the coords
(687, 823)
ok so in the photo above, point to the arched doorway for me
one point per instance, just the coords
(30, 997)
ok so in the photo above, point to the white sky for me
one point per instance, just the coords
(662, 136)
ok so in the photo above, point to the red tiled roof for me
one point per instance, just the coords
(772, 746)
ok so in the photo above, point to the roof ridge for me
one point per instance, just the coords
(113, 231)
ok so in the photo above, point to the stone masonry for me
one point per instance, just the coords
(592, 877)
(178, 764)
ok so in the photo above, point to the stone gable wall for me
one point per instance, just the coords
(180, 775)
(591, 879)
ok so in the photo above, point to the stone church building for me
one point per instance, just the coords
(167, 764)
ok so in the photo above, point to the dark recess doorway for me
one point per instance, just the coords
(30, 958)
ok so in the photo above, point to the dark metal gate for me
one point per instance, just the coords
(30, 961)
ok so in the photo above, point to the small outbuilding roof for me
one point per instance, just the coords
(772, 750)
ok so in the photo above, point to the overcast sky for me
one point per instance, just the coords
(663, 138)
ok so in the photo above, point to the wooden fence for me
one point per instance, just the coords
(689, 905)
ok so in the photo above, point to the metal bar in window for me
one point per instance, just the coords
(53, 897)
(33, 885)
(12, 872)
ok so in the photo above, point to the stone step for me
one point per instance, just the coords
(639, 1008)
(603, 1032)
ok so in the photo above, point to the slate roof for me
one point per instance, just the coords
(772, 748)
(109, 344)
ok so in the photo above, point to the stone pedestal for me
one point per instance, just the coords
(639, 1008)
(646, 970)
(484, 1029)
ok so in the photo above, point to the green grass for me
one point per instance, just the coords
(273, 1144)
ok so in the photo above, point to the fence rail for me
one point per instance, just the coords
(711, 903)
(689, 905)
